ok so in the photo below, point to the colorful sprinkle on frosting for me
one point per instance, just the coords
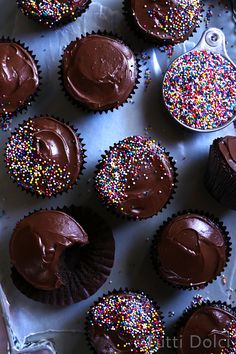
(231, 334)
(30, 170)
(122, 164)
(53, 12)
(133, 318)
(199, 90)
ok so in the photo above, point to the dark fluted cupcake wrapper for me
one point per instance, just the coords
(154, 257)
(145, 37)
(84, 281)
(117, 292)
(31, 98)
(220, 179)
(192, 309)
(64, 21)
(83, 156)
(128, 217)
(83, 106)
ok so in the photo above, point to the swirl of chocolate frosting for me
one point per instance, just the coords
(211, 323)
(19, 78)
(170, 21)
(99, 71)
(227, 147)
(44, 155)
(191, 250)
(38, 242)
(136, 177)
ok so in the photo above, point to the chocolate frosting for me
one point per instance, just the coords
(125, 323)
(53, 158)
(145, 173)
(39, 241)
(99, 71)
(227, 147)
(210, 323)
(19, 77)
(171, 21)
(191, 250)
(53, 12)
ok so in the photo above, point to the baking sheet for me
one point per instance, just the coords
(144, 114)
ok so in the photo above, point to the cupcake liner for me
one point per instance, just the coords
(117, 292)
(8, 116)
(127, 12)
(154, 257)
(83, 156)
(68, 19)
(80, 104)
(91, 272)
(192, 309)
(220, 179)
(128, 217)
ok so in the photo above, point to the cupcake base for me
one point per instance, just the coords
(83, 270)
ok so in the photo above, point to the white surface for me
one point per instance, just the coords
(132, 266)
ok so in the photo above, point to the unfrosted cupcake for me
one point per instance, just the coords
(164, 21)
(125, 322)
(44, 156)
(99, 72)
(19, 77)
(136, 178)
(210, 329)
(191, 249)
(220, 177)
(53, 13)
(61, 257)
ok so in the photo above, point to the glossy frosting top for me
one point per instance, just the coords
(191, 250)
(37, 244)
(99, 71)
(44, 156)
(18, 77)
(211, 323)
(136, 177)
(170, 21)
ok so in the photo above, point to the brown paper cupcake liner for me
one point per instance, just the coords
(83, 269)
(144, 37)
(23, 108)
(68, 19)
(82, 168)
(220, 179)
(156, 262)
(80, 104)
(114, 210)
(189, 311)
(117, 292)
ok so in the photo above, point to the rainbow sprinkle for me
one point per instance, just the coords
(231, 334)
(134, 317)
(122, 164)
(30, 170)
(180, 19)
(199, 90)
(52, 12)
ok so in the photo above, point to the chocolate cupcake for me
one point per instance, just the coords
(220, 177)
(164, 22)
(99, 72)
(125, 322)
(53, 13)
(19, 77)
(191, 249)
(60, 257)
(136, 178)
(210, 329)
(44, 156)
